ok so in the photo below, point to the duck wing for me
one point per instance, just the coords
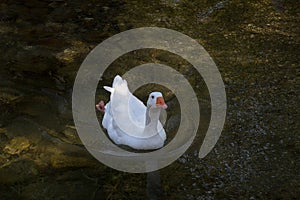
(125, 111)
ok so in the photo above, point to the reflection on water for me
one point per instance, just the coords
(254, 44)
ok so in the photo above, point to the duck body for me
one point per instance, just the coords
(129, 122)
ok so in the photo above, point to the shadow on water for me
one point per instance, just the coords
(255, 46)
(154, 189)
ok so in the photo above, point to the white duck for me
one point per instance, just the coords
(129, 122)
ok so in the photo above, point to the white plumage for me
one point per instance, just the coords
(129, 122)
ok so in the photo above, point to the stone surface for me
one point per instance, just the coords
(17, 145)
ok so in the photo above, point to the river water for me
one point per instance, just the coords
(255, 46)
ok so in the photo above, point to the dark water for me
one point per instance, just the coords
(255, 46)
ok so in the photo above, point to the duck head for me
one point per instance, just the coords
(156, 100)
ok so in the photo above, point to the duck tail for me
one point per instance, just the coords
(109, 89)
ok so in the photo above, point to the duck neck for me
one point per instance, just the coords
(152, 118)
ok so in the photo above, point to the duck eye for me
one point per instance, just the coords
(152, 97)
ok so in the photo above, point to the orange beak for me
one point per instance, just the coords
(160, 102)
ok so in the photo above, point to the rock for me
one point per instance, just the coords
(7, 14)
(67, 155)
(70, 55)
(73, 186)
(17, 145)
(173, 105)
(17, 171)
(2, 131)
(61, 14)
(3, 140)
(173, 123)
(8, 100)
(9, 95)
(71, 136)
(23, 126)
(35, 59)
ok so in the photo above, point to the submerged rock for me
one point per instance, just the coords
(17, 171)
(17, 145)
(64, 155)
(34, 59)
(71, 136)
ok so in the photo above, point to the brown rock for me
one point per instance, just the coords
(17, 145)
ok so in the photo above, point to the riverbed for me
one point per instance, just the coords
(255, 46)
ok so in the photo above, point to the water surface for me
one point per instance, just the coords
(255, 46)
